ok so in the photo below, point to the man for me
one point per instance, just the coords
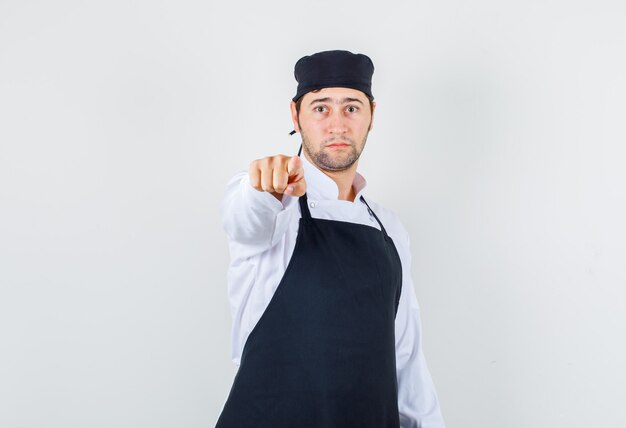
(326, 325)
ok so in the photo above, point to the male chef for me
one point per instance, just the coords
(326, 325)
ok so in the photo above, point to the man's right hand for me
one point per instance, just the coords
(278, 175)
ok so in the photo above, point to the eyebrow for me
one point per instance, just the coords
(326, 99)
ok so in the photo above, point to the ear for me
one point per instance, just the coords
(372, 120)
(294, 116)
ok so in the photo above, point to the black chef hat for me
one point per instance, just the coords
(336, 68)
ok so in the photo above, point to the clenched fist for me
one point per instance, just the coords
(278, 175)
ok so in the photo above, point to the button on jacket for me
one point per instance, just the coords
(262, 234)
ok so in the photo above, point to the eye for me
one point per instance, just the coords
(355, 109)
(316, 108)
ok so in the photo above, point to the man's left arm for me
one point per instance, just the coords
(417, 399)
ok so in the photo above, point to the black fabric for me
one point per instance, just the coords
(322, 355)
(331, 69)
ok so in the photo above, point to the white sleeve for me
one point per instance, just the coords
(417, 399)
(249, 216)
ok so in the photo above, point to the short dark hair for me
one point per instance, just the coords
(299, 101)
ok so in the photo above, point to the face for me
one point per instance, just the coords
(334, 124)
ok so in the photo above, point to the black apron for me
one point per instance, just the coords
(322, 355)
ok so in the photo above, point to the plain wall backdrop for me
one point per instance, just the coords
(498, 139)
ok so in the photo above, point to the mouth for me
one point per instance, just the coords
(337, 145)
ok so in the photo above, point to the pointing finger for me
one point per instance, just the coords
(294, 168)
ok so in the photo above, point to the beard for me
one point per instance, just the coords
(325, 159)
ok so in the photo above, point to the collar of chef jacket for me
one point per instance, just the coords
(319, 186)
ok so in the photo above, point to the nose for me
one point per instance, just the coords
(337, 123)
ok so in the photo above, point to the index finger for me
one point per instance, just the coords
(294, 168)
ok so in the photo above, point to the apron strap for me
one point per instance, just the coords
(304, 208)
(376, 217)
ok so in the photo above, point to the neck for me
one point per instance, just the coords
(343, 180)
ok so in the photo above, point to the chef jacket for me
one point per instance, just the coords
(262, 234)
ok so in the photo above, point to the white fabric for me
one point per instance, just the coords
(262, 233)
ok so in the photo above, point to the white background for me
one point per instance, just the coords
(498, 139)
